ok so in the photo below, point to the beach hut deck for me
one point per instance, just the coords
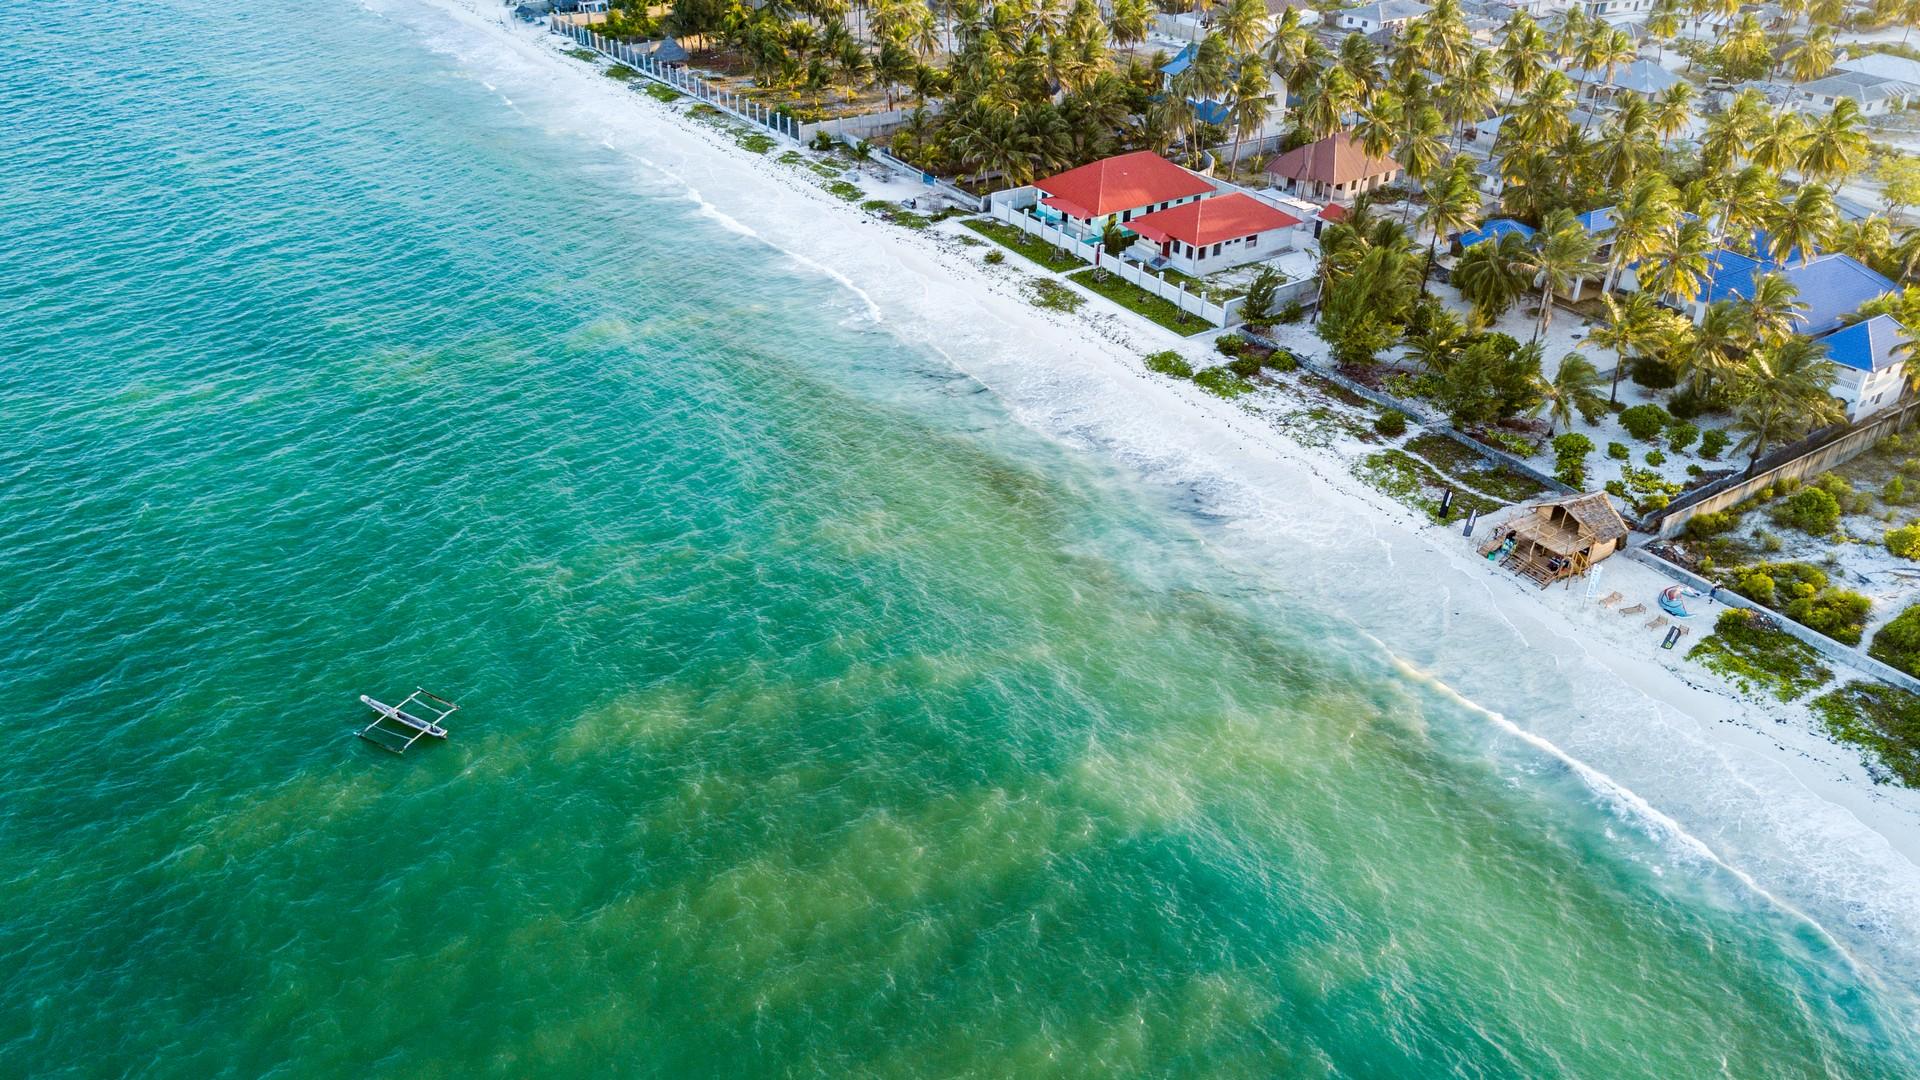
(1558, 538)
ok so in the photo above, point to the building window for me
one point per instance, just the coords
(1253, 241)
(1216, 249)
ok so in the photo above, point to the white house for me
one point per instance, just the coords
(1619, 11)
(1213, 234)
(1384, 15)
(1876, 95)
(1870, 365)
(1885, 65)
(1117, 189)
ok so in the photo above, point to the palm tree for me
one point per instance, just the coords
(1769, 315)
(1627, 143)
(1453, 204)
(1835, 146)
(1645, 211)
(1574, 389)
(1804, 224)
(1719, 349)
(1673, 110)
(1813, 56)
(1467, 94)
(1629, 329)
(1662, 24)
(1522, 55)
(1562, 254)
(1422, 144)
(1778, 141)
(1681, 263)
(1251, 101)
(1783, 393)
(1290, 48)
(1130, 22)
(1489, 277)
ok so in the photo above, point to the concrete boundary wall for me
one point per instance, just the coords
(1736, 489)
(1845, 655)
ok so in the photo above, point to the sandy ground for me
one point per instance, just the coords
(1745, 785)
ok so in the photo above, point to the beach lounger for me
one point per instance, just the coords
(1634, 610)
(1611, 599)
(1656, 622)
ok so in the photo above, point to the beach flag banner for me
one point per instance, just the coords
(1472, 516)
(1593, 580)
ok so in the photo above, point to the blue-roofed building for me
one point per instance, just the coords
(1179, 63)
(1596, 222)
(1872, 364)
(1829, 287)
(1494, 230)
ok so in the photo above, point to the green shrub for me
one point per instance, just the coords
(1246, 366)
(621, 72)
(1618, 451)
(1680, 436)
(1701, 526)
(1645, 421)
(1713, 442)
(1882, 720)
(1898, 642)
(1619, 491)
(1392, 423)
(1895, 492)
(995, 257)
(1282, 360)
(1292, 312)
(1222, 383)
(1570, 458)
(1838, 613)
(1230, 345)
(1656, 459)
(1653, 374)
(1904, 541)
(1168, 362)
(1757, 586)
(1693, 469)
(1756, 656)
(1811, 510)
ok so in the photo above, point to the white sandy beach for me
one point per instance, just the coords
(1679, 753)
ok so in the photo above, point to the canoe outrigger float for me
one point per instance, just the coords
(396, 729)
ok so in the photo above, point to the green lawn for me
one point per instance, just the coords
(1141, 302)
(1031, 248)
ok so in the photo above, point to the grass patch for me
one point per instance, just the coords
(1476, 472)
(878, 206)
(1140, 302)
(844, 190)
(1334, 390)
(665, 94)
(970, 241)
(831, 170)
(1222, 383)
(1756, 656)
(621, 72)
(1218, 294)
(792, 157)
(1168, 362)
(1031, 248)
(754, 141)
(1412, 482)
(583, 54)
(1884, 721)
(1050, 294)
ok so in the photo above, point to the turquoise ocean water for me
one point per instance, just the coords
(820, 719)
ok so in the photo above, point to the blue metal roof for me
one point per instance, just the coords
(1596, 221)
(1829, 288)
(1179, 63)
(1866, 346)
(1494, 230)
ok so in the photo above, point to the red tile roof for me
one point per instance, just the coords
(1333, 212)
(1210, 221)
(1336, 159)
(1120, 183)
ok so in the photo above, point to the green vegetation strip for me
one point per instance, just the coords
(1473, 470)
(1757, 657)
(1031, 248)
(621, 72)
(1140, 302)
(1053, 296)
(844, 190)
(1882, 720)
(663, 93)
(1412, 482)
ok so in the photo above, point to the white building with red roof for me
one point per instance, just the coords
(1119, 189)
(1198, 238)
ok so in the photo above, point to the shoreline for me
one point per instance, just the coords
(1828, 827)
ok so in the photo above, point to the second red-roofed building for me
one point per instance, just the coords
(1214, 234)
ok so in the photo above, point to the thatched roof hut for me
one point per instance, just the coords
(1558, 538)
